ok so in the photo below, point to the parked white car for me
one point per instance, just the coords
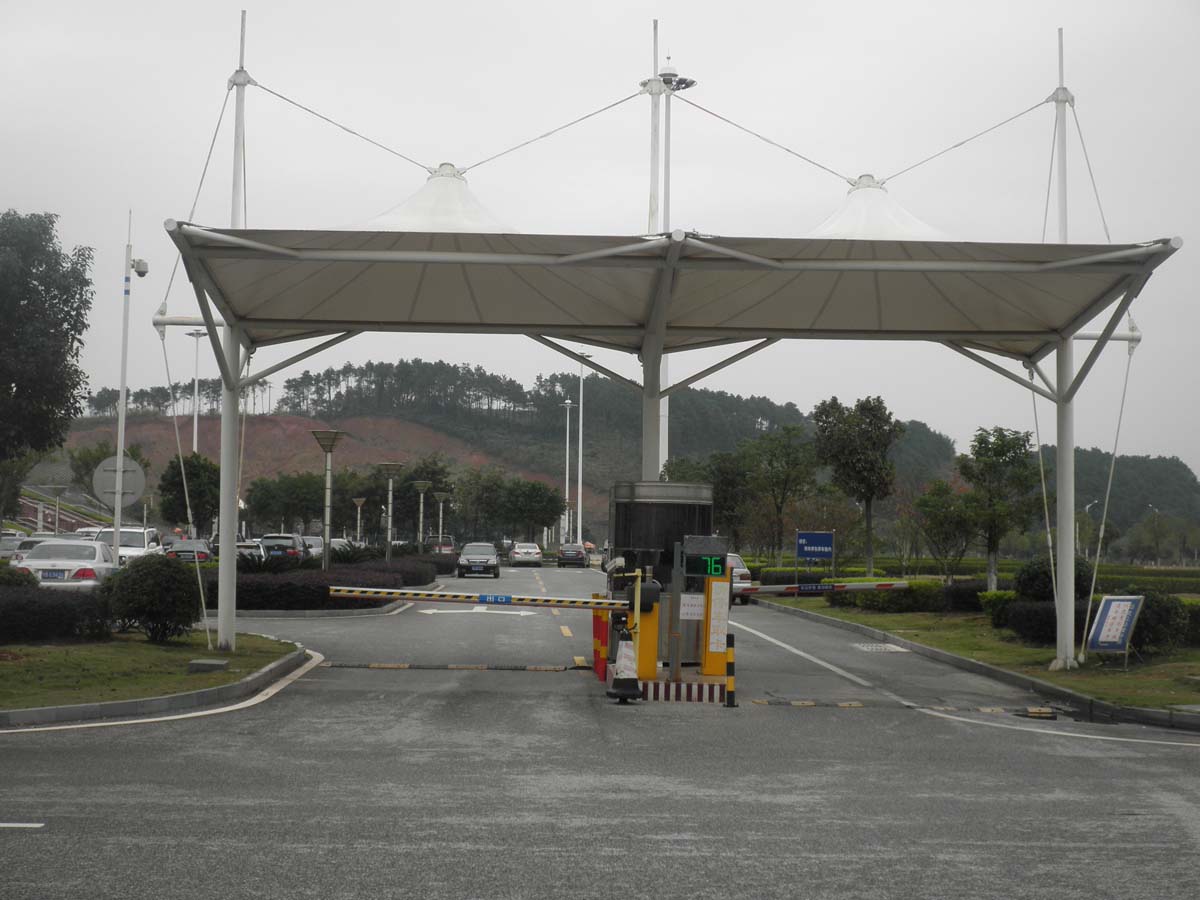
(69, 565)
(135, 542)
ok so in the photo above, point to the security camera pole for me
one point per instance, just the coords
(141, 267)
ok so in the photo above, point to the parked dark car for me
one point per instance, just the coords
(284, 546)
(191, 551)
(572, 555)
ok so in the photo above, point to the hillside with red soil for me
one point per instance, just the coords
(277, 444)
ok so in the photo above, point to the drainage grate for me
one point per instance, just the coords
(881, 648)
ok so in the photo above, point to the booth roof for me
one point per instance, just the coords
(1014, 299)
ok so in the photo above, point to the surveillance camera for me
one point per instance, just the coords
(141, 267)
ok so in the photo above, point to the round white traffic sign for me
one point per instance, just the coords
(104, 482)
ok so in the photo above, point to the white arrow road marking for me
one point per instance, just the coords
(22, 824)
(479, 609)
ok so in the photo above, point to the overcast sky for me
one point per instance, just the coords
(108, 107)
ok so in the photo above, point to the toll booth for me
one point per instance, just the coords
(646, 519)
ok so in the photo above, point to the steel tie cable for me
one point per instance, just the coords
(552, 131)
(966, 140)
(811, 162)
(1087, 160)
(344, 128)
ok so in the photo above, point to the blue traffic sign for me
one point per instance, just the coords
(814, 545)
(1113, 627)
(495, 598)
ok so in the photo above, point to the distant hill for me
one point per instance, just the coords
(408, 409)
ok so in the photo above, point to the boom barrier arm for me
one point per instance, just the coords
(791, 590)
(474, 599)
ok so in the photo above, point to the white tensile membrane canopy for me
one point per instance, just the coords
(440, 262)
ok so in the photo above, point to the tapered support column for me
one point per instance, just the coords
(651, 360)
(1064, 479)
(227, 569)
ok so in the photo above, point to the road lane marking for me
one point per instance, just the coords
(580, 661)
(478, 609)
(790, 649)
(554, 612)
(1054, 731)
(22, 824)
(266, 694)
(566, 632)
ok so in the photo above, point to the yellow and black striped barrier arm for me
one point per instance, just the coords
(474, 599)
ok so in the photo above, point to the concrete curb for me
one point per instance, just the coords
(1094, 710)
(172, 703)
(313, 613)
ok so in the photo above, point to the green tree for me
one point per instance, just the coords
(854, 443)
(531, 505)
(947, 523)
(12, 475)
(781, 468)
(45, 297)
(203, 489)
(1003, 477)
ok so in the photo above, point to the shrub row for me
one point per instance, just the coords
(32, 613)
(919, 596)
(1162, 626)
(309, 589)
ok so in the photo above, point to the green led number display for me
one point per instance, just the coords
(708, 566)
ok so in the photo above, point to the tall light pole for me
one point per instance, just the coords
(441, 497)
(359, 501)
(1157, 514)
(1086, 550)
(422, 487)
(579, 466)
(565, 532)
(141, 267)
(197, 334)
(391, 470)
(328, 440)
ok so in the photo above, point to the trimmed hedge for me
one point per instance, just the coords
(10, 577)
(1192, 635)
(309, 589)
(43, 614)
(1161, 627)
(995, 604)
(157, 593)
(1033, 580)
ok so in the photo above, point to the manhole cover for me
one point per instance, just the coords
(881, 648)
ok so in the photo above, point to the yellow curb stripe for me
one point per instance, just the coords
(853, 704)
(804, 703)
(579, 660)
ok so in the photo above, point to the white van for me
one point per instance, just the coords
(135, 542)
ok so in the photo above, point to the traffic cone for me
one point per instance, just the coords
(624, 685)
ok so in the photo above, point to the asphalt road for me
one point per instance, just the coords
(356, 783)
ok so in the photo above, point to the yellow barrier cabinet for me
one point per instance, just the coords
(717, 594)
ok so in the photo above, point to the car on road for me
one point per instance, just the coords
(24, 547)
(315, 545)
(9, 545)
(191, 551)
(340, 545)
(284, 546)
(479, 559)
(525, 555)
(135, 542)
(250, 549)
(739, 577)
(69, 565)
(440, 543)
(87, 534)
(572, 555)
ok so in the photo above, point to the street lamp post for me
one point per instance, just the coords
(141, 267)
(197, 334)
(441, 497)
(391, 470)
(359, 501)
(328, 440)
(565, 532)
(1087, 552)
(579, 463)
(422, 487)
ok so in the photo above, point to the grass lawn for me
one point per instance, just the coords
(125, 668)
(1157, 683)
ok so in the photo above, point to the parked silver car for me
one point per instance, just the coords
(8, 546)
(739, 577)
(69, 565)
(525, 555)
